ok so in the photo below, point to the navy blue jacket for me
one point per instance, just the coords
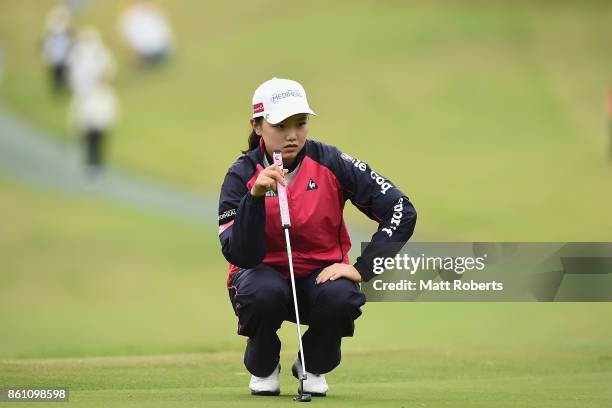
(250, 229)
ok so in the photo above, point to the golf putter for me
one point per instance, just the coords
(286, 224)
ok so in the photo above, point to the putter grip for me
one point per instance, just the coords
(282, 192)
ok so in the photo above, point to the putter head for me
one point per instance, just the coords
(302, 396)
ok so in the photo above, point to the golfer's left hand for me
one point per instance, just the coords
(337, 271)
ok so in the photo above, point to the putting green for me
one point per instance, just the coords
(394, 378)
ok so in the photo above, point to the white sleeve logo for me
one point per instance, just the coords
(381, 181)
(398, 213)
(384, 184)
(357, 163)
(228, 213)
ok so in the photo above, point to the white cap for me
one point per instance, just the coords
(277, 99)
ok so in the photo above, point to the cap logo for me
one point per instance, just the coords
(286, 94)
(258, 107)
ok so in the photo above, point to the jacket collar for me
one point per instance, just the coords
(262, 151)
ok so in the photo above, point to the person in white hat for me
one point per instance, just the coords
(147, 31)
(319, 179)
(58, 39)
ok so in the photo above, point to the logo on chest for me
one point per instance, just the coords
(311, 185)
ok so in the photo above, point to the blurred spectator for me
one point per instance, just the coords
(89, 62)
(147, 32)
(58, 38)
(93, 112)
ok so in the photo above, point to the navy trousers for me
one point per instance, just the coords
(262, 300)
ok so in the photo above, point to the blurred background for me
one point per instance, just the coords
(491, 116)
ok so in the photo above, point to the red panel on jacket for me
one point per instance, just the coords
(318, 235)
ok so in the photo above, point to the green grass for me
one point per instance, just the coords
(81, 278)
(398, 378)
(490, 116)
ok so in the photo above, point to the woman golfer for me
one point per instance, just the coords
(319, 178)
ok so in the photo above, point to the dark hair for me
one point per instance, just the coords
(254, 137)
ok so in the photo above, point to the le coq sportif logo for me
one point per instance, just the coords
(311, 185)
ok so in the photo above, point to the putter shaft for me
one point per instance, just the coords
(295, 304)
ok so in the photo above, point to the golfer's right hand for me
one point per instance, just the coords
(267, 179)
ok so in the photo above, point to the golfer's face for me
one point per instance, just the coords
(287, 136)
